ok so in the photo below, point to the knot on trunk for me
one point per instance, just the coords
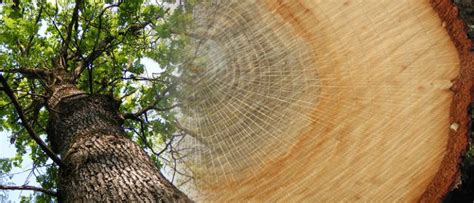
(63, 91)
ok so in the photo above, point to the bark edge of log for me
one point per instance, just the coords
(449, 171)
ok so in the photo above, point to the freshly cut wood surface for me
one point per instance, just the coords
(374, 125)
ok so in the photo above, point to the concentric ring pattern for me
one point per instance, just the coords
(312, 100)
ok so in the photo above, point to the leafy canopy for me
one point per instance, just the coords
(101, 44)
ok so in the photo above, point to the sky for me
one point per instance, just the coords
(8, 150)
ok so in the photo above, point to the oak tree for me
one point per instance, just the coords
(73, 91)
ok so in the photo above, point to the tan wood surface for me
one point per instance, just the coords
(365, 115)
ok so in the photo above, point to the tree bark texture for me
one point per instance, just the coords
(102, 165)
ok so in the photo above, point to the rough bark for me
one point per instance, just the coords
(102, 165)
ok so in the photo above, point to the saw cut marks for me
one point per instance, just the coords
(316, 100)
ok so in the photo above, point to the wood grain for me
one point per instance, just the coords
(390, 116)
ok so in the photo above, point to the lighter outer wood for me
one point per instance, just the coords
(381, 123)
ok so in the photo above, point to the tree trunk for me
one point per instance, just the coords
(102, 165)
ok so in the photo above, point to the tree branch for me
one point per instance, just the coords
(107, 43)
(135, 116)
(53, 21)
(28, 187)
(152, 106)
(167, 146)
(35, 73)
(32, 36)
(69, 29)
(100, 21)
(190, 132)
(29, 129)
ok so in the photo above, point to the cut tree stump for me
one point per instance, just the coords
(375, 110)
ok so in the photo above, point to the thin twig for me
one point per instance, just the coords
(24, 171)
(152, 106)
(190, 132)
(28, 187)
(167, 146)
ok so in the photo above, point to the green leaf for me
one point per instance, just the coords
(10, 23)
(5, 165)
